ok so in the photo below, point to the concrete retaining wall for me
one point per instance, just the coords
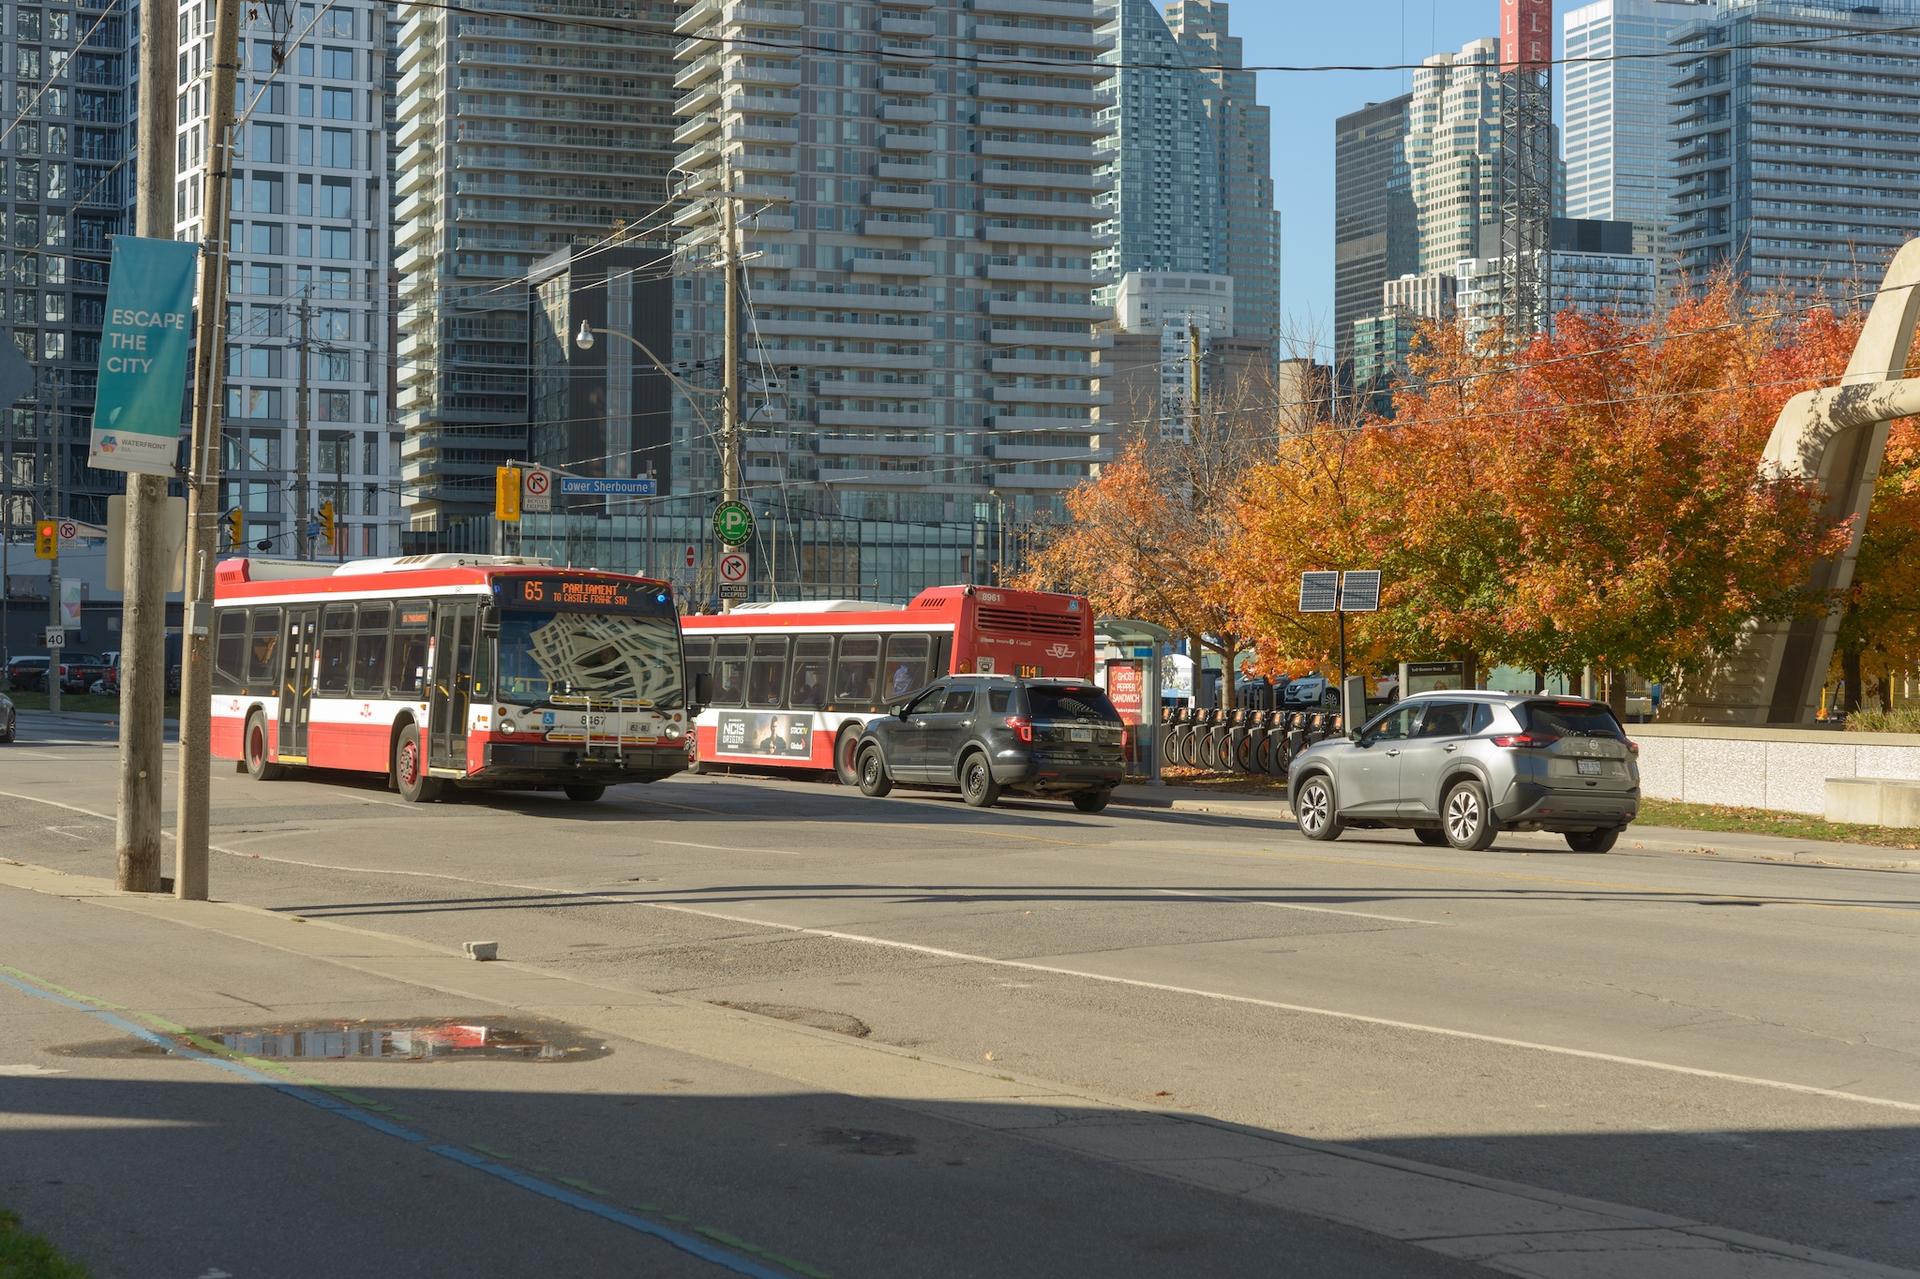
(1780, 768)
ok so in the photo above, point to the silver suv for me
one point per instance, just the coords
(1459, 767)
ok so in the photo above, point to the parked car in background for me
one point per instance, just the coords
(987, 734)
(1310, 693)
(28, 674)
(1460, 767)
(9, 728)
(79, 671)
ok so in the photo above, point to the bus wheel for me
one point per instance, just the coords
(582, 793)
(256, 751)
(846, 757)
(410, 769)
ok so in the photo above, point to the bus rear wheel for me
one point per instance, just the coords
(846, 756)
(410, 769)
(583, 792)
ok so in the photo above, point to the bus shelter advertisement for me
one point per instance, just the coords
(772, 734)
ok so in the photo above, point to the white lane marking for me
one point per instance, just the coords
(1365, 1019)
(722, 848)
(1318, 910)
(62, 830)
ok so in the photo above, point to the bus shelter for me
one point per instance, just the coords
(1128, 657)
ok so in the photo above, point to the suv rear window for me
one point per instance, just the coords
(1069, 703)
(1570, 719)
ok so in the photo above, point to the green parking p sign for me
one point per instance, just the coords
(733, 523)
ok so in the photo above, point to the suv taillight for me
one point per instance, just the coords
(1022, 727)
(1633, 747)
(1515, 741)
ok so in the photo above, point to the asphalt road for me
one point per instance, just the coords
(1732, 1043)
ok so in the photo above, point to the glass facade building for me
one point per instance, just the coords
(521, 129)
(1376, 232)
(1796, 141)
(309, 235)
(920, 221)
(1614, 114)
(66, 186)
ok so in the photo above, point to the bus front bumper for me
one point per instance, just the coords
(540, 764)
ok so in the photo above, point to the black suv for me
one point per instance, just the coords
(984, 734)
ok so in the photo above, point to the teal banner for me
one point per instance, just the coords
(143, 356)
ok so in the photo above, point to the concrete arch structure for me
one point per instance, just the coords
(1836, 436)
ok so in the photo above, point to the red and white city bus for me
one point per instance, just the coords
(792, 685)
(473, 669)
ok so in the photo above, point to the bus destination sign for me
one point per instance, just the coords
(581, 595)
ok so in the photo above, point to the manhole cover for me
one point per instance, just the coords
(439, 1039)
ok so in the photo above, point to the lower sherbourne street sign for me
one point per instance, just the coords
(143, 356)
(594, 486)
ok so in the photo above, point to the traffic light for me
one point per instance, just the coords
(326, 521)
(236, 528)
(46, 539)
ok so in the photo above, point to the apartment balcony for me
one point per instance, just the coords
(444, 468)
(905, 26)
(906, 84)
(700, 99)
(1051, 93)
(1086, 239)
(857, 446)
(1046, 275)
(909, 142)
(1049, 310)
(754, 189)
(1017, 480)
(764, 103)
(694, 214)
(1014, 364)
(761, 471)
(1093, 183)
(412, 53)
(697, 155)
(899, 199)
(781, 133)
(768, 223)
(852, 330)
(745, 73)
(415, 258)
(1083, 153)
(760, 15)
(806, 356)
(1077, 10)
(849, 389)
(695, 73)
(1003, 452)
(695, 129)
(1039, 422)
(414, 206)
(417, 443)
(874, 479)
(1076, 210)
(1034, 122)
(897, 113)
(916, 54)
(891, 421)
(695, 16)
(1096, 41)
(899, 229)
(745, 161)
(416, 158)
(841, 301)
(412, 130)
(411, 180)
(766, 444)
(908, 170)
(866, 264)
(1003, 394)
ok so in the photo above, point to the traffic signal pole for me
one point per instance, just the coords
(143, 654)
(204, 515)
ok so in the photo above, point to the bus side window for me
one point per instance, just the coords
(943, 655)
(263, 656)
(230, 651)
(856, 675)
(336, 649)
(906, 664)
(767, 680)
(699, 659)
(408, 667)
(370, 650)
(812, 655)
(730, 660)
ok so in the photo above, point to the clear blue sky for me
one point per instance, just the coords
(1305, 105)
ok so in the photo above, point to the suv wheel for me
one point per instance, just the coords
(1468, 817)
(1092, 801)
(873, 773)
(1314, 809)
(1431, 836)
(1593, 841)
(977, 786)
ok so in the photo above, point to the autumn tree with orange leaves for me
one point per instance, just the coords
(1591, 499)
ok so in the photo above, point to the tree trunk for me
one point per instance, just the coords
(1617, 692)
(1851, 665)
(1229, 649)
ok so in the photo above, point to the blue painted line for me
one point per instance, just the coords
(686, 1243)
(559, 1194)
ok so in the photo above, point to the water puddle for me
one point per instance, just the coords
(444, 1039)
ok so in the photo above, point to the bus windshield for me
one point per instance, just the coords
(602, 655)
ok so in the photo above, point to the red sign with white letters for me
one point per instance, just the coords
(1526, 34)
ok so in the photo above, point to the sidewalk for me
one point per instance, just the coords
(669, 1136)
(1651, 839)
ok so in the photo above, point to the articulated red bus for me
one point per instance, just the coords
(792, 685)
(472, 669)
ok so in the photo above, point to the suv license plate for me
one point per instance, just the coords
(1080, 734)
(1588, 767)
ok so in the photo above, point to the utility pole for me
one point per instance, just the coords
(203, 464)
(1193, 379)
(302, 445)
(51, 417)
(143, 653)
(730, 359)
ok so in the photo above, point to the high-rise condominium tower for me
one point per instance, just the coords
(1376, 231)
(917, 207)
(523, 128)
(308, 248)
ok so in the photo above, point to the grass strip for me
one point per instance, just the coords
(27, 1256)
(1763, 821)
